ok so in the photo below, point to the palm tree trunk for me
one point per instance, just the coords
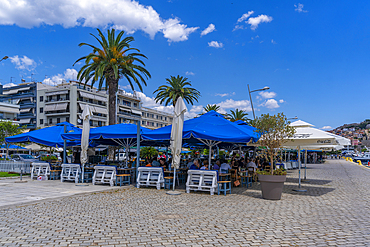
(112, 90)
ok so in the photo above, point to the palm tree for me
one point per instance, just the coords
(113, 61)
(237, 115)
(209, 107)
(178, 87)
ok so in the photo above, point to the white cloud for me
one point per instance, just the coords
(267, 95)
(23, 63)
(215, 44)
(245, 16)
(189, 73)
(127, 15)
(281, 101)
(299, 8)
(9, 85)
(238, 27)
(327, 128)
(208, 30)
(174, 31)
(69, 74)
(194, 111)
(233, 104)
(150, 103)
(224, 94)
(271, 104)
(255, 21)
(126, 87)
(273, 42)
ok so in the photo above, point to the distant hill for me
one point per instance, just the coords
(363, 125)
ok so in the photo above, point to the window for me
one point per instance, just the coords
(143, 122)
(135, 104)
(143, 114)
(58, 97)
(41, 120)
(67, 96)
(165, 118)
(58, 120)
(91, 101)
(41, 98)
(50, 121)
(118, 101)
(67, 119)
(41, 109)
(100, 123)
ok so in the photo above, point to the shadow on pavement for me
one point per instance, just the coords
(311, 181)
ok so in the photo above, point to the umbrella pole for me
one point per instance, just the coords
(299, 172)
(209, 157)
(305, 167)
(174, 178)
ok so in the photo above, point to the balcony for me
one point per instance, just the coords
(54, 113)
(54, 100)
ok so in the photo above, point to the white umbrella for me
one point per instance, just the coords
(86, 115)
(176, 135)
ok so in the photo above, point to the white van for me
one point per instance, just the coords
(121, 156)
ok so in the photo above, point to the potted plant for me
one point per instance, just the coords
(274, 131)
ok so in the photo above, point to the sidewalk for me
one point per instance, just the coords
(333, 212)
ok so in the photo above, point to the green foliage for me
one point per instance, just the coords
(50, 157)
(148, 152)
(7, 129)
(237, 115)
(280, 172)
(178, 87)
(274, 131)
(115, 59)
(5, 174)
(209, 108)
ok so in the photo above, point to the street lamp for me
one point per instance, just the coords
(292, 118)
(4, 58)
(262, 89)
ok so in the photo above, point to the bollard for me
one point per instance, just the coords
(359, 162)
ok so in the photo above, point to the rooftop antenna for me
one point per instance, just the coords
(31, 76)
(11, 79)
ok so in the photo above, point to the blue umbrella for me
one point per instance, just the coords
(50, 136)
(210, 126)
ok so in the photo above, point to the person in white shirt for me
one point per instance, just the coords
(205, 165)
(252, 164)
(225, 167)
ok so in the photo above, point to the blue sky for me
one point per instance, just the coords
(314, 55)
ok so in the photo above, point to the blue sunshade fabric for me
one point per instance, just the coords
(210, 126)
(116, 131)
(50, 136)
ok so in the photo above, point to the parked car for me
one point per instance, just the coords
(24, 157)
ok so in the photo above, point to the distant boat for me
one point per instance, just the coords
(363, 158)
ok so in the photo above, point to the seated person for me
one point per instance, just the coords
(225, 167)
(195, 165)
(155, 163)
(205, 165)
(163, 163)
(188, 165)
(217, 165)
(251, 163)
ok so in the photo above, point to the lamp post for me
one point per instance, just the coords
(4, 58)
(250, 97)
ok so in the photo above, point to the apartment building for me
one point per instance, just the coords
(42, 105)
(23, 95)
(65, 103)
(9, 109)
(154, 119)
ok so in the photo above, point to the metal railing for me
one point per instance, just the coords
(15, 166)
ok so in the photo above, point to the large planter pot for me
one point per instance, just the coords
(272, 186)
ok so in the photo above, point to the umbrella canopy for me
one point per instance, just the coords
(176, 132)
(86, 115)
(12, 147)
(50, 136)
(210, 126)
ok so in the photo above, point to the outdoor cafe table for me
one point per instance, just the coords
(130, 171)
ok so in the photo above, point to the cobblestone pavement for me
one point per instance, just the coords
(334, 211)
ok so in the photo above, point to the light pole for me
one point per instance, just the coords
(250, 97)
(4, 58)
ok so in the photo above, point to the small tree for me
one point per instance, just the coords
(148, 152)
(274, 131)
(7, 128)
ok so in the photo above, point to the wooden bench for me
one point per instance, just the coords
(150, 176)
(105, 175)
(40, 169)
(70, 172)
(200, 180)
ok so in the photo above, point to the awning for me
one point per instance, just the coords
(25, 120)
(9, 109)
(136, 112)
(124, 109)
(25, 110)
(50, 107)
(61, 107)
(24, 89)
(93, 96)
(12, 91)
(100, 110)
(56, 93)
